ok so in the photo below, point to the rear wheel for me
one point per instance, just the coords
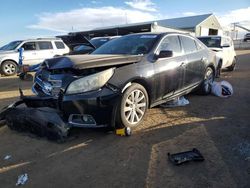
(133, 106)
(232, 67)
(9, 68)
(206, 85)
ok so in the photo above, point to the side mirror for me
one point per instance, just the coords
(165, 53)
(225, 45)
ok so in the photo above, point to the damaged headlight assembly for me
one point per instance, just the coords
(91, 82)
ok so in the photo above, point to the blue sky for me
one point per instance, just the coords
(37, 18)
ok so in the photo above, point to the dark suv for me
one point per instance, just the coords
(118, 82)
(247, 37)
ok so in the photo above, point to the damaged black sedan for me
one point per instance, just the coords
(116, 84)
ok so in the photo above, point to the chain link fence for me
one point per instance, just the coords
(241, 45)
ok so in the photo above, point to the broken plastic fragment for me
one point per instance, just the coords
(179, 101)
(183, 157)
(22, 179)
(7, 157)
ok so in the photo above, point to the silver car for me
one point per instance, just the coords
(35, 51)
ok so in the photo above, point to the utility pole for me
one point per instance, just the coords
(234, 30)
(126, 17)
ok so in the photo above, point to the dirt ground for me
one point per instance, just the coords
(219, 128)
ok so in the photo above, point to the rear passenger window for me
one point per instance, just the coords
(29, 46)
(171, 43)
(188, 44)
(59, 45)
(44, 45)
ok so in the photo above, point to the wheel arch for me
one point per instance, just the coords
(8, 60)
(142, 82)
(212, 67)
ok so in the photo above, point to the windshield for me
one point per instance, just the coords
(129, 45)
(97, 42)
(213, 42)
(11, 46)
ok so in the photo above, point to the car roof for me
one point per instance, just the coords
(106, 37)
(161, 33)
(42, 39)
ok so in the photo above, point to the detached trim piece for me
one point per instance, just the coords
(183, 157)
(42, 121)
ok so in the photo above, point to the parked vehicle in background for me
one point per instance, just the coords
(98, 41)
(224, 48)
(246, 37)
(124, 77)
(35, 51)
(78, 44)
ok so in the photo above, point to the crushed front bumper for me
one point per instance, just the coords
(54, 117)
(42, 121)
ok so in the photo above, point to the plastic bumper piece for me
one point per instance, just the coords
(42, 121)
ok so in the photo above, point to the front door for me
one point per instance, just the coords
(30, 53)
(169, 71)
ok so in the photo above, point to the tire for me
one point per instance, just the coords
(206, 85)
(218, 71)
(9, 68)
(133, 106)
(232, 67)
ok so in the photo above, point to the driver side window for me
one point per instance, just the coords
(29, 46)
(171, 43)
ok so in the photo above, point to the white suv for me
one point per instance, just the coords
(35, 51)
(224, 49)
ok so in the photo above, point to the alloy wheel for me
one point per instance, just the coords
(209, 78)
(135, 106)
(9, 68)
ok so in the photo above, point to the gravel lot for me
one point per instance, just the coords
(219, 128)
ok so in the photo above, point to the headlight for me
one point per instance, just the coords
(90, 83)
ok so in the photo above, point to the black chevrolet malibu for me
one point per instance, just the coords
(118, 82)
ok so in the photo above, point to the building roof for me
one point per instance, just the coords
(183, 22)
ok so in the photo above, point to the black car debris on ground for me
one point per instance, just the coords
(115, 85)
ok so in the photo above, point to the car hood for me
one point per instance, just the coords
(6, 52)
(89, 61)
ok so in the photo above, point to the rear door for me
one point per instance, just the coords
(195, 64)
(169, 71)
(46, 50)
(30, 53)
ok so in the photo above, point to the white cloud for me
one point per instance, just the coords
(189, 13)
(146, 5)
(90, 18)
(238, 15)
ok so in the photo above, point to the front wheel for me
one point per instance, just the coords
(206, 85)
(134, 104)
(9, 68)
